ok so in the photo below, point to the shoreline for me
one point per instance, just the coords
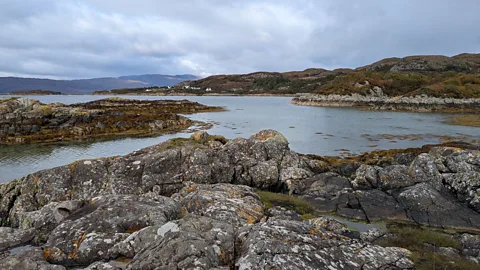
(385, 103)
(156, 95)
(28, 121)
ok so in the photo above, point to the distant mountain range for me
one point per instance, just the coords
(87, 86)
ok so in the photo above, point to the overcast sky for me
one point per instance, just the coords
(98, 38)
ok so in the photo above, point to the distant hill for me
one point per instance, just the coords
(87, 86)
(433, 75)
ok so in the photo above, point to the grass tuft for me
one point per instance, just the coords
(423, 243)
(299, 205)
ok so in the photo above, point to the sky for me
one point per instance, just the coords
(69, 39)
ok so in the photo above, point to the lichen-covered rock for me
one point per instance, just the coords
(371, 235)
(86, 235)
(43, 221)
(466, 187)
(264, 174)
(395, 177)
(282, 244)
(106, 266)
(378, 205)
(463, 161)
(193, 242)
(137, 241)
(237, 205)
(9, 193)
(426, 205)
(10, 237)
(349, 206)
(111, 213)
(366, 177)
(471, 246)
(262, 161)
(28, 259)
(424, 169)
(323, 190)
(327, 224)
(278, 212)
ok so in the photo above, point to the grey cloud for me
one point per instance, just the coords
(93, 38)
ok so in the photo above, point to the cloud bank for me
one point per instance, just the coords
(96, 38)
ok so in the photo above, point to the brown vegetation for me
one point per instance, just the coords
(471, 120)
(101, 118)
(438, 76)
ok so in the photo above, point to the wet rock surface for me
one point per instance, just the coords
(24, 120)
(191, 204)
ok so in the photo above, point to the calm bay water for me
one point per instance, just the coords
(315, 130)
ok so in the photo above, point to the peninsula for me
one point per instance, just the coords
(24, 120)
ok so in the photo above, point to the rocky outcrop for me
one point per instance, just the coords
(286, 244)
(162, 169)
(25, 120)
(438, 189)
(421, 103)
(190, 203)
(230, 231)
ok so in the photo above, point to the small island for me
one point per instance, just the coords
(24, 120)
(35, 93)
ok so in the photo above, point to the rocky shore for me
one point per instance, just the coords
(192, 204)
(36, 93)
(24, 120)
(385, 103)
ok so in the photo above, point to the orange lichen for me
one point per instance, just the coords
(36, 179)
(250, 217)
(73, 165)
(48, 254)
(251, 220)
(263, 138)
(123, 260)
(76, 245)
(68, 195)
(191, 189)
(134, 229)
(313, 231)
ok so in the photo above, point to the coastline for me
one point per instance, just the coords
(25, 120)
(251, 184)
(159, 95)
(385, 103)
